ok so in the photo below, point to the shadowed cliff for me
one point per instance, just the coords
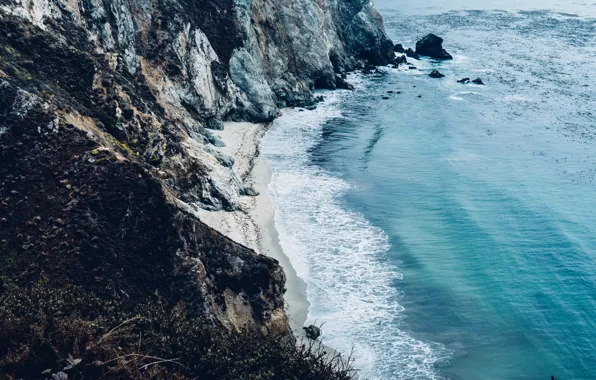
(105, 158)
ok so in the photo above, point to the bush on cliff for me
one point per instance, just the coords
(47, 332)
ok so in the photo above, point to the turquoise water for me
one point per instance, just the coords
(453, 235)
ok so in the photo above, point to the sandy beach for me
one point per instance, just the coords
(254, 224)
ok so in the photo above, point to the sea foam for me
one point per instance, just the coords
(339, 253)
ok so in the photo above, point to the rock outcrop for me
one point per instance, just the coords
(431, 45)
(436, 74)
(106, 153)
(412, 54)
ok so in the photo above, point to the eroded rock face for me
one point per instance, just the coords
(226, 59)
(104, 152)
(75, 211)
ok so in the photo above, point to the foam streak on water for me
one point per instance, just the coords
(337, 252)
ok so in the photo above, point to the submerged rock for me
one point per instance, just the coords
(312, 332)
(436, 74)
(478, 81)
(431, 45)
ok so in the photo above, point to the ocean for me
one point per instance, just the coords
(449, 231)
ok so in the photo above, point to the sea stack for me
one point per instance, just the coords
(431, 45)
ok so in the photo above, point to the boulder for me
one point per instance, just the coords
(412, 67)
(432, 46)
(398, 48)
(478, 81)
(412, 54)
(340, 82)
(249, 191)
(401, 60)
(436, 74)
(464, 80)
(312, 332)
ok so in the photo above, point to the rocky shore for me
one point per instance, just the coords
(112, 167)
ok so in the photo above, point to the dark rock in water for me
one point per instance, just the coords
(312, 332)
(398, 48)
(215, 124)
(319, 99)
(390, 92)
(436, 74)
(311, 107)
(432, 46)
(342, 83)
(398, 92)
(419, 96)
(412, 54)
(412, 68)
(385, 97)
(401, 60)
(464, 80)
(478, 81)
(370, 68)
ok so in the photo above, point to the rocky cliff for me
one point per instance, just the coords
(106, 153)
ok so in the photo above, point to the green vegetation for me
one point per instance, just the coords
(45, 331)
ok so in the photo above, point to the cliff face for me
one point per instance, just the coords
(105, 155)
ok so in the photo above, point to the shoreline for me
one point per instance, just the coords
(254, 225)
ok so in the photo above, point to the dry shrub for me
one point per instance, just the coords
(46, 331)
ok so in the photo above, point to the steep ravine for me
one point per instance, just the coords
(106, 156)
